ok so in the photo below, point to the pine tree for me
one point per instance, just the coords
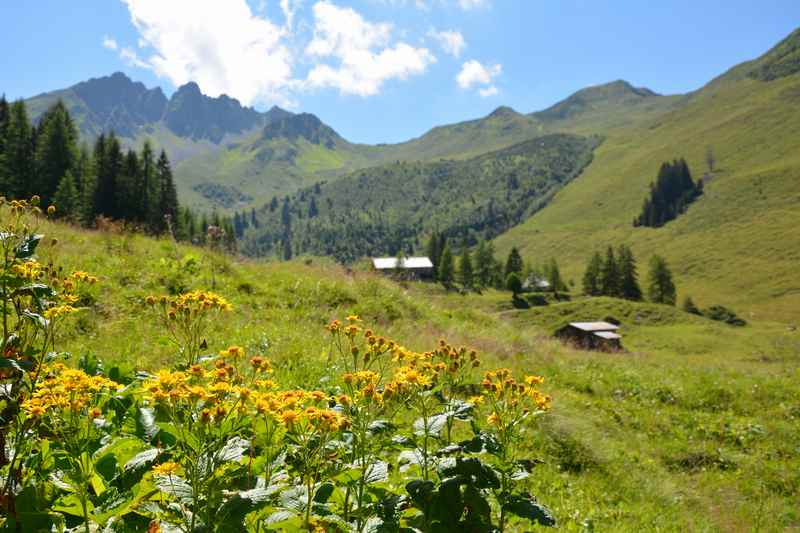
(446, 268)
(514, 263)
(108, 169)
(591, 277)
(167, 195)
(312, 208)
(434, 253)
(128, 190)
(661, 289)
(56, 150)
(514, 284)
(484, 262)
(287, 247)
(67, 198)
(554, 276)
(609, 275)
(18, 153)
(629, 283)
(4, 118)
(465, 271)
(149, 187)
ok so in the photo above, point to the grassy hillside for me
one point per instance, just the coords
(738, 244)
(466, 200)
(695, 428)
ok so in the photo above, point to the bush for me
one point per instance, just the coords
(723, 314)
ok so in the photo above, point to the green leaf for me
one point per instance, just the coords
(233, 450)
(28, 246)
(435, 424)
(483, 475)
(141, 459)
(524, 506)
(323, 493)
(421, 492)
(16, 364)
(175, 486)
(37, 290)
(376, 472)
(70, 504)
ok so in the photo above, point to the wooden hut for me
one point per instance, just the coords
(404, 267)
(601, 336)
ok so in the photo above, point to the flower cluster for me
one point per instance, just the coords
(190, 304)
(510, 399)
(67, 389)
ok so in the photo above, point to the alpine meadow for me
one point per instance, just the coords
(222, 314)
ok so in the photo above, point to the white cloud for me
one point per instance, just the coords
(452, 42)
(474, 74)
(110, 43)
(472, 4)
(491, 90)
(365, 58)
(131, 58)
(222, 46)
(289, 8)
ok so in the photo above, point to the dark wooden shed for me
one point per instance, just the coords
(601, 336)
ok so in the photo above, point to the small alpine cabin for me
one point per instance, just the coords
(601, 336)
(405, 267)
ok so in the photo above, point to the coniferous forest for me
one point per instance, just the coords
(104, 180)
(467, 201)
(670, 195)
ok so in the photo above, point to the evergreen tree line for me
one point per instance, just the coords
(480, 269)
(616, 275)
(670, 195)
(85, 183)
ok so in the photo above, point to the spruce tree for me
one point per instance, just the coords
(514, 284)
(446, 267)
(128, 192)
(434, 253)
(609, 275)
(18, 153)
(629, 283)
(514, 263)
(67, 198)
(312, 208)
(150, 191)
(167, 195)
(554, 276)
(484, 262)
(661, 289)
(56, 150)
(4, 118)
(465, 270)
(591, 277)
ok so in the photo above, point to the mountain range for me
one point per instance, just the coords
(737, 244)
(228, 156)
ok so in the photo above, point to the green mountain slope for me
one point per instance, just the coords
(738, 244)
(695, 408)
(390, 208)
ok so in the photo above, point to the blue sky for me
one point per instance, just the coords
(386, 70)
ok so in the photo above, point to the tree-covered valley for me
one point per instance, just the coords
(220, 316)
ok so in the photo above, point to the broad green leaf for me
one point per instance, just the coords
(377, 472)
(524, 506)
(28, 246)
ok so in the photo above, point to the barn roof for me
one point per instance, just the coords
(390, 263)
(594, 326)
(607, 335)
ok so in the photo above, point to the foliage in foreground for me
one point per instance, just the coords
(216, 445)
